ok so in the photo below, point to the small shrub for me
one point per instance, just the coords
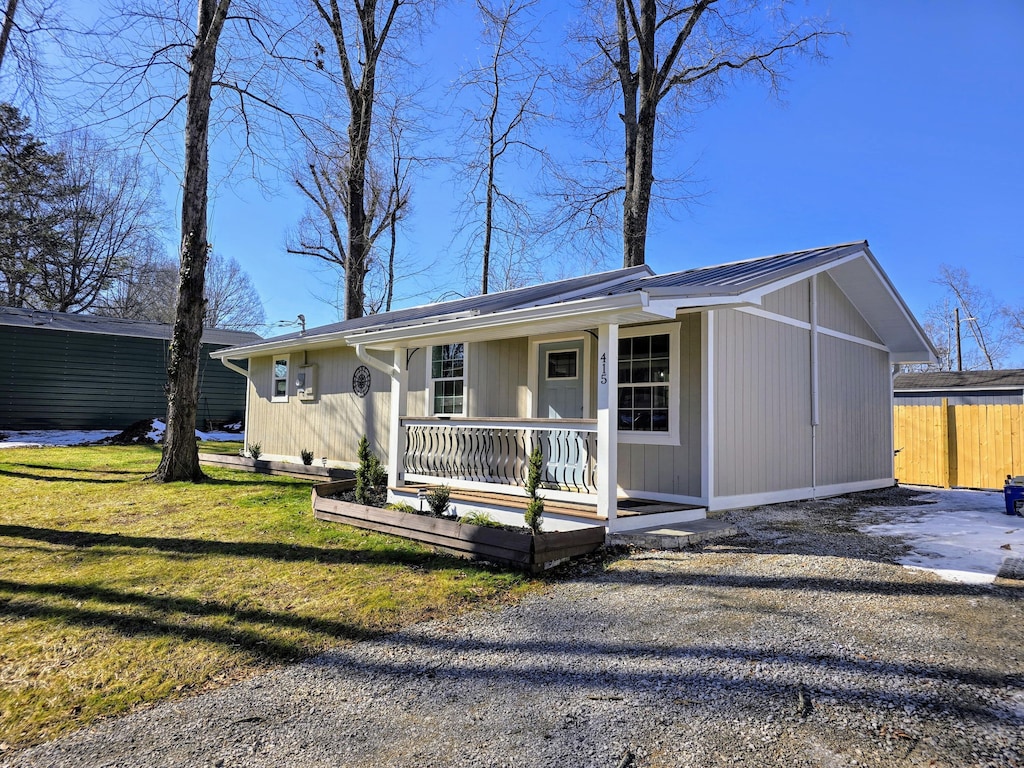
(255, 451)
(401, 506)
(437, 499)
(307, 456)
(479, 517)
(371, 477)
(535, 507)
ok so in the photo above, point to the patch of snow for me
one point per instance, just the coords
(43, 438)
(40, 438)
(959, 535)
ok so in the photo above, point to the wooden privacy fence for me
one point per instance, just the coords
(967, 446)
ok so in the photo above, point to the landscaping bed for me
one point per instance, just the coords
(284, 468)
(517, 549)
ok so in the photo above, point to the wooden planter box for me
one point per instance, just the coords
(518, 549)
(304, 471)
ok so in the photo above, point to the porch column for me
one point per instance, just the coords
(396, 435)
(607, 421)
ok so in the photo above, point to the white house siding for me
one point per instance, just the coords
(855, 413)
(762, 419)
(836, 312)
(329, 425)
(670, 469)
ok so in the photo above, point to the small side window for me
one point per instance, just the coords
(279, 391)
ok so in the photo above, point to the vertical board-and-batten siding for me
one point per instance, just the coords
(497, 378)
(762, 374)
(672, 469)
(57, 379)
(331, 424)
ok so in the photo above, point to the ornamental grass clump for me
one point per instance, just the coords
(371, 477)
(535, 506)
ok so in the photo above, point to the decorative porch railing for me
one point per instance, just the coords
(498, 450)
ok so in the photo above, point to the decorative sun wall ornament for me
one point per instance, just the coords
(361, 381)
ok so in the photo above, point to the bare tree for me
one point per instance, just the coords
(157, 73)
(656, 62)
(110, 210)
(144, 288)
(975, 315)
(180, 458)
(507, 89)
(231, 299)
(365, 37)
(27, 26)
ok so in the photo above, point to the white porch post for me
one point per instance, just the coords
(396, 435)
(607, 422)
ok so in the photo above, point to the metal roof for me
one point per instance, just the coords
(742, 276)
(1008, 379)
(578, 303)
(112, 326)
(518, 298)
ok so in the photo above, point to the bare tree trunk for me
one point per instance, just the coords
(5, 34)
(180, 459)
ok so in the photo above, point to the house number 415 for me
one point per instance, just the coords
(604, 369)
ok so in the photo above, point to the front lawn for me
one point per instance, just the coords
(116, 591)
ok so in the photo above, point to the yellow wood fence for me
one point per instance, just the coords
(970, 446)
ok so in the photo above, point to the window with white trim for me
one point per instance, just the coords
(648, 388)
(279, 387)
(448, 378)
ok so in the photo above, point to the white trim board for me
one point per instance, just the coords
(785, 320)
(797, 494)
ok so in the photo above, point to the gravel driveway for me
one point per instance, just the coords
(797, 643)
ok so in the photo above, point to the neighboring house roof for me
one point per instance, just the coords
(624, 296)
(945, 380)
(75, 323)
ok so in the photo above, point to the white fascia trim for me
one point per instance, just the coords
(797, 494)
(785, 320)
(592, 309)
(336, 339)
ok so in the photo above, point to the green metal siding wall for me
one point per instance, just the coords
(63, 380)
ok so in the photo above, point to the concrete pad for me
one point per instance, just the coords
(677, 536)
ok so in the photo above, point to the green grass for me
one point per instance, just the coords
(230, 447)
(116, 591)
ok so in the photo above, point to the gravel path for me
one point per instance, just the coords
(797, 643)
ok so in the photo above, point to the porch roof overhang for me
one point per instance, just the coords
(578, 315)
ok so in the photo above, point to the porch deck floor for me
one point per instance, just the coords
(632, 507)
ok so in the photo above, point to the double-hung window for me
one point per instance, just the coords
(448, 378)
(279, 387)
(648, 396)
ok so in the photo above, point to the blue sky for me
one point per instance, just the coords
(909, 137)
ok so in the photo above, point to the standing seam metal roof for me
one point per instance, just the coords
(741, 276)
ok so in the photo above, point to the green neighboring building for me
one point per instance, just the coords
(66, 371)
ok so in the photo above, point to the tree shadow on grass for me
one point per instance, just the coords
(252, 549)
(158, 619)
